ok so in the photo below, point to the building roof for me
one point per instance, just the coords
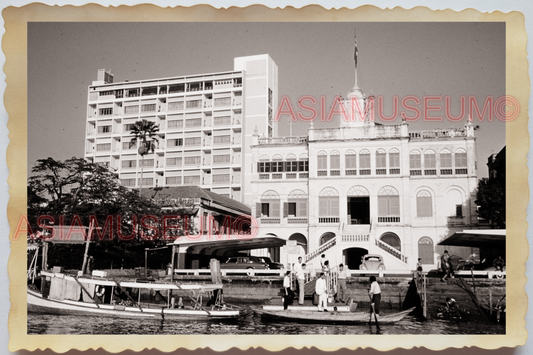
(477, 238)
(196, 192)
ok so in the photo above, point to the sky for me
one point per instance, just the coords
(317, 59)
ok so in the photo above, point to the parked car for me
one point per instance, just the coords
(271, 264)
(244, 262)
(372, 262)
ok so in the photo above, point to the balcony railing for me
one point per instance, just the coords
(394, 171)
(297, 220)
(282, 140)
(328, 219)
(456, 221)
(388, 219)
(270, 220)
(438, 133)
(347, 238)
(355, 221)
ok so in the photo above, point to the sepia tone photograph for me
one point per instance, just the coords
(337, 178)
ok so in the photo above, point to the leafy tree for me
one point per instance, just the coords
(145, 133)
(490, 198)
(76, 187)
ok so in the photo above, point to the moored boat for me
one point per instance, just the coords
(67, 294)
(329, 317)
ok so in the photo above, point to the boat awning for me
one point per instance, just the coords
(232, 242)
(477, 238)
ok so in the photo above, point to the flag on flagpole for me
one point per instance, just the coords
(355, 50)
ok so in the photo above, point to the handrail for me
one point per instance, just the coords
(393, 251)
(330, 243)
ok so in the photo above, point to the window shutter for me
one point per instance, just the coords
(302, 208)
(323, 206)
(258, 210)
(285, 209)
(334, 206)
(275, 209)
(382, 206)
(394, 205)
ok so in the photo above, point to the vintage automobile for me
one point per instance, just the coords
(372, 262)
(271, 264)
(244, 262)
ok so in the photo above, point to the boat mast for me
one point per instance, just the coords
(87, 247)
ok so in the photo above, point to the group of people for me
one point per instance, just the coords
(321, 287)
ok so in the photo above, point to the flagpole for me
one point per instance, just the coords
(355, 55)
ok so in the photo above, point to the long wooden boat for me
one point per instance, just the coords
(329, 317)
(90, 299)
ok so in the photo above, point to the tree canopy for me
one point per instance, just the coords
(490, 198)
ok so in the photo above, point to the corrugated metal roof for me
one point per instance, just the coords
(196, 192)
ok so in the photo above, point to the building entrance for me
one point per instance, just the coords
(352, 257)
(359, 210)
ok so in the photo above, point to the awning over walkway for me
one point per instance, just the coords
(214, 246)
(477, 238)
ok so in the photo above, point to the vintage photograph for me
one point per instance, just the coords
(267, 178)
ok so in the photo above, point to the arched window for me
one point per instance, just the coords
(388, 205)
(264, 165)
(335, 162)
(381, 162)
(326, 237)
(430, 162)
(424, 205)
(296, 205)
(394, 161)
(291, 164)
(322, 163)
(350, 163)
(364, 162)
(269, 207)
(391, 239)
(460, 161)
(303, 163)
(445, 162)
(415, 163)
(425, 250)
(277, 163)
(328, 205)
(357, 190)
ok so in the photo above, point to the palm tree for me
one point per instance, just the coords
(145, 133)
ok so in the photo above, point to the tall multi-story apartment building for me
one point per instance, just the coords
(206, 122)
(365, 188)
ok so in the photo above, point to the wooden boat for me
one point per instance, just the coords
(72, 295)
(330, 317)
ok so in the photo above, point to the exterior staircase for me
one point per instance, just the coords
(392, 251)
(327, 245)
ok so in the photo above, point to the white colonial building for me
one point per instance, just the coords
(365, 188)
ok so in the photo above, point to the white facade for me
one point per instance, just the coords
(369, 189)
(205, 122)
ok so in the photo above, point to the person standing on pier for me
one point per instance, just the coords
(341, 284)
(301, 283)
(288, 294)
(296, 268)
(446, 266)
(375, 296)
(321, 290)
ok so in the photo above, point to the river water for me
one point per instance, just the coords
(251, 324)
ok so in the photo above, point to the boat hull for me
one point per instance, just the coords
(330, 317)
(38, 304)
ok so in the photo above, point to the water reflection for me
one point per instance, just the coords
(251, 324)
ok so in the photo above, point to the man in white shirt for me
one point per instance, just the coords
(301, 284)
(341, 284)
(287, 292)
(321, 291)
(296, 268)
(375, 296)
